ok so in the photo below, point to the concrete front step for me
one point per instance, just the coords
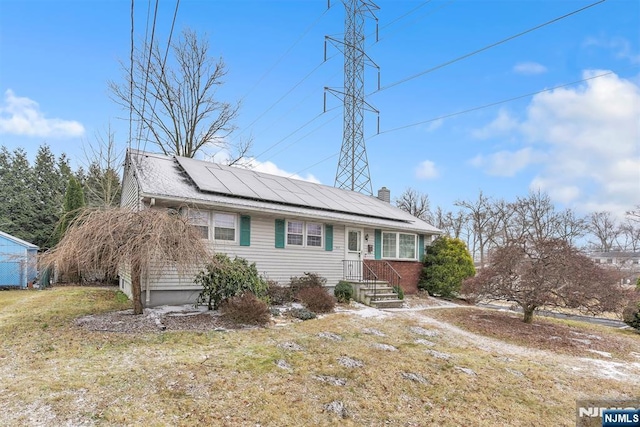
(396, 303)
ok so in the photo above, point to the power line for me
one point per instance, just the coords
(131, 76)
(304, 136)
(515, 98)
(272, 146)
(284, 96)
(469, 110)
(475, 52)
(164, 62)
(303, 35)
(431, 12)
(146, 80)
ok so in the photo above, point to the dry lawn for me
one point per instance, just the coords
(358, 366)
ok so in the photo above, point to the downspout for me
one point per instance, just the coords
(147, 289)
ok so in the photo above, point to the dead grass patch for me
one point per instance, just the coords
(65, 374)
(562, 336)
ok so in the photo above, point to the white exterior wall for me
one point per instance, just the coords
(130, 197)
(278, 264)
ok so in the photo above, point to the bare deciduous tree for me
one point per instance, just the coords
(103, 161)
(416, 203)
(602, 225)
(175, 99)
(479, 214)
(145, 242)
(546, 273)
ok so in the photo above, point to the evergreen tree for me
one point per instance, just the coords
(18, 195)
(48, 196)
(5, 167)
(102, 186)
(446, 264)
(73, 204)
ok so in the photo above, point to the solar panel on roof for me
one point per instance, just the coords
(238, 182)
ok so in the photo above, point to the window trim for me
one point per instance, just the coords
(236, 227)
(211, 224)
(305, 234)
(397, 246)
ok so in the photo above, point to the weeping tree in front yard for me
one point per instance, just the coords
(148, 242)
(546, 273)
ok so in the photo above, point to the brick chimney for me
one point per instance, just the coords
(384, 194)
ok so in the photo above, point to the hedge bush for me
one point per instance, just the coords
(246, 309)
(343, 291)
(316, 299)
(631, 314)
(279, 295)
(224, 278)
(302, 314)
(308, 280)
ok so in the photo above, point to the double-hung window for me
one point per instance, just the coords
(295, 233)
(309, 234)
(224, 226)
(399, 245)
(199, 220)
(314, 234)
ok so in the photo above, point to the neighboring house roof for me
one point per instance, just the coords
(614, 254)
(18, 241)
(195, 181)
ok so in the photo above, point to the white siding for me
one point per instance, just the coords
(130, 197)
(278, 264)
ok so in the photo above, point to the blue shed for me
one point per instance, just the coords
(18, 262)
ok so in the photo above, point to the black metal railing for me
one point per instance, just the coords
(370, 274)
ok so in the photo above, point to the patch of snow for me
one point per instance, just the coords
(424, 332)
(587, 342)
(373, 331)
(330, 336)
(282, 364)
(291, 346)
(338, 408)
(425, 342)
(348, 362)
(514, 372)
(414, 377)
(385, 347)
(601, 353)
(467, 371)
(370, 313)
(331, 380)
(438, 354)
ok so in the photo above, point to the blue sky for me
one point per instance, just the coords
(579, 143)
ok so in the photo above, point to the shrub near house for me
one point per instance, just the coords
(447, 263)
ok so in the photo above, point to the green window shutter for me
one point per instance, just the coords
(378, 249)
(328, 238)
(245, 230)
(279, 233)
(420, 247)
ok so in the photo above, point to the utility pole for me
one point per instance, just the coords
(353, 165)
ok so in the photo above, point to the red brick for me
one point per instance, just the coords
(409, 271)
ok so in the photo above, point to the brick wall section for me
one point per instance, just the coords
(410, 272)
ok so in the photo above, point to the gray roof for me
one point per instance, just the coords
(200, 182)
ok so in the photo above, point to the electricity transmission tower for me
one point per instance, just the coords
(353, 165)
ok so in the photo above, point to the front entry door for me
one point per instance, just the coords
(353, 254)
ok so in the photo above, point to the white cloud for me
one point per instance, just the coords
(588, 141)
(501, 125)
(620, 47)
(529, 68)
(433, 125)
(426, 170)
(507, 163)
(22, 116)
(273, 169)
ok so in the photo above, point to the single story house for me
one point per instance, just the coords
(285, 226)
(18, 262)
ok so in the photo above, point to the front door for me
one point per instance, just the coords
(353, 254)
